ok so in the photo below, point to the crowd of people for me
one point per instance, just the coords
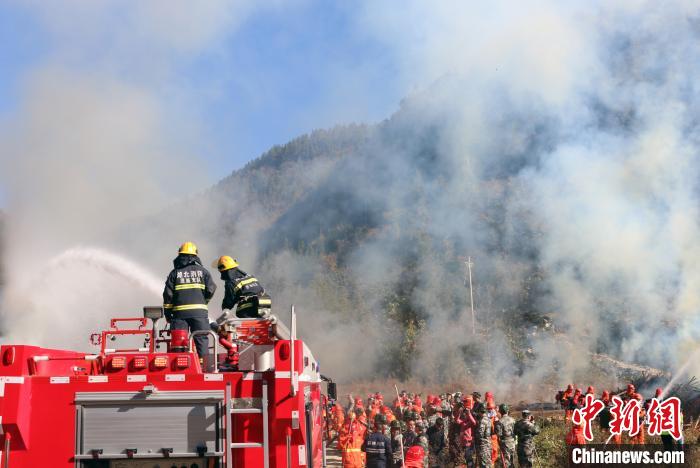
(448, 430)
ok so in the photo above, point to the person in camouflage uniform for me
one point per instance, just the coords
(505, 430)
(437, 442)
(483, 438)
(396, 444)
(454, 438)
(525, 431)
(422, 440)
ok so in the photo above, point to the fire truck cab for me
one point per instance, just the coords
(256, 404)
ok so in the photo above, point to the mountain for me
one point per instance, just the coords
(367, 226)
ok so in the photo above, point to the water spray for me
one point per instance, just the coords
(111, 263)
(692, 358)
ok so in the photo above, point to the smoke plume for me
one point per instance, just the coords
(554, 144)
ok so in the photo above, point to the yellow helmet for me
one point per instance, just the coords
(188, 248)
(226, 263)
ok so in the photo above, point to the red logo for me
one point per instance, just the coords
(665, 417)
(625, 416)
(585, 416)
(662, 416)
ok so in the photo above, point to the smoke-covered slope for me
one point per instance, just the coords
(579, 211)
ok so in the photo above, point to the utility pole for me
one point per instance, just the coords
(469, 264)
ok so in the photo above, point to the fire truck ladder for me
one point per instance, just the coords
(231, 411)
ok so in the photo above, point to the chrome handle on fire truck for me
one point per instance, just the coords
(216, 346)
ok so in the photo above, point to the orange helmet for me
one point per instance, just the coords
(468, 401)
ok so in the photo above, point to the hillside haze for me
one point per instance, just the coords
(575, 195)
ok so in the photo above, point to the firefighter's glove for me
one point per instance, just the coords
(214, 326)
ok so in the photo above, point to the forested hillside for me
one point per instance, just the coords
(370, 227)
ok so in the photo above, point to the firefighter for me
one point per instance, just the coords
(565, 401)
(337, 417)
(505, 427)
(469, 426)
(242, 290)
(350, 442)
(378, 446)
(639, 438)
(483, 437)
(525, 431)
(575, 435)
(188, 289)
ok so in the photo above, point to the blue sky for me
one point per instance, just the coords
(279, 73)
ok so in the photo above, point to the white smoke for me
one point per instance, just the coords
(99, 139)
(590, 109)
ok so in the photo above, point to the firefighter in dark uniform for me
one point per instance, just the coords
(377, 446)
(188, 289)
(243, 290)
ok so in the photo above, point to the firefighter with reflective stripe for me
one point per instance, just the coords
(187, 292)
(350, 440)
(243, 290)
(378, 446)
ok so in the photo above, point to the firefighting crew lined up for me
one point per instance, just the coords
(448, 430)
(189, 288)
(455, 430)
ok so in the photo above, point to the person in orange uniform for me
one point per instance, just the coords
(388, 414)
(566, 401)
(575, 435)
(350, 440)
(337, 417)
(640, 438)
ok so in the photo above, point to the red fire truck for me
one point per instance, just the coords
(257, 403)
